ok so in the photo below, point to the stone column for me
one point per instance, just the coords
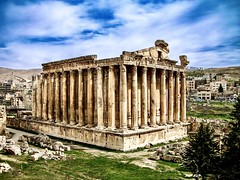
(144, 115)
(50, 97)
(45, 97)
(177, 99)
(170, 97)
(153, 98)
(72, 116)
(57, 98)
(34, 97)
(111, 98)
(39, 97)
(134, 117)
(89, 98)
(80, 99)
(99, 98)
(163, 98)
(123, 97)
(64, 98)
(183, 97)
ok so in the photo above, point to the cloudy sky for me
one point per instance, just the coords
(38, 31)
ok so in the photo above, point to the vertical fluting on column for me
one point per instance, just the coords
(39, 97)
(64, 98)
(177, 99)
(89, 98)
(129, 97)
(45, 97)
(144, 116)
(111, 98)
(50, 96)
(163, 98)
(170, 97)
(34, 97)
(99, 98)
(123, 97)
(183, 97)
(153, 98)
(57, 98)
(134, 117)
(80, 98)
(72, 115)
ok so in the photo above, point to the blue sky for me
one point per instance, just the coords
(38, 31)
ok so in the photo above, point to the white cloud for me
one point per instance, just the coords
(141, 26)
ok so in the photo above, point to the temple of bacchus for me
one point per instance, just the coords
(119, 103)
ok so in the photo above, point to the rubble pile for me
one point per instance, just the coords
(170, 152)
(56, 151)
(44, 141)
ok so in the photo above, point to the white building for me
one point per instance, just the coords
(216, 84)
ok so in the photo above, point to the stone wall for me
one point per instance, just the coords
(123, 141)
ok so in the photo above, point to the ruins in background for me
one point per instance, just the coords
(119, 103)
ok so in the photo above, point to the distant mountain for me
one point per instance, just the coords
(7, 73)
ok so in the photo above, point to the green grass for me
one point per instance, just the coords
(213, 110)
(82, 165)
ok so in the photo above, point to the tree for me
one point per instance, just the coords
(220, 89)
(230, 165)
(201, 153)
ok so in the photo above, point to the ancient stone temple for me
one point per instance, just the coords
(119, 103)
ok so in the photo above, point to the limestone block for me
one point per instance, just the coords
(4, 167)
(13, 149)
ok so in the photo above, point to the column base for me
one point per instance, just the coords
(100, 127)
(134, 128)
(153, 125)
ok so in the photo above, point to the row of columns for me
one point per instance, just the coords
(48, 104)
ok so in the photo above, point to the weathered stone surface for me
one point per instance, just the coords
(4, 167)
(108, 102)
(13, 149)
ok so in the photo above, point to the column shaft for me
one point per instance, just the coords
(153, 98)
(99, 98)
(64, 98)
(144, 116)
(34, 97)
(72, 118)
(134, 117)
(45, 97)
(89, 98)
(170, 98)
(163, 98)
(111, 98)
(177, 99)
(50, 96)
(57, 98)
(80, 98)
(183, 98)
(39, 97)
(123, 97)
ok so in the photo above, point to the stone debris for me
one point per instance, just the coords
(44, 141)
(49, 155)
(2, 142)
(13, 149)
(170, 152)
(4, 167)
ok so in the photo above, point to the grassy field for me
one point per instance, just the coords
(212, 110)
(82, 165)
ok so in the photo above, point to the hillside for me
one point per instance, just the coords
(6, 73)
(232, 71)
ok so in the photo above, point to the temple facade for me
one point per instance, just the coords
(119, 103)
